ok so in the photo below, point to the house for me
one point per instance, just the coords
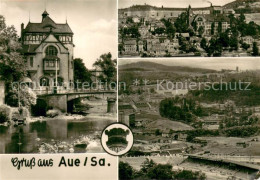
(142, 106)
(242, 144)
(200, 141)
(196, 11)
(121, 19)
(173, 45)
(213, 119)
(130, 46)
(229, 11)
(151, 42)
(241, 7)
(179, 136)
(158, 49)
(96, 73)
(138, 123)
(209, 21)
(143, 30)
(140, 46)
(127, 118)
(48, 48)
(166, 133)
(182, 137)
(248, 40)
(136, 19)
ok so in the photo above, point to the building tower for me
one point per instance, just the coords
(48, 48)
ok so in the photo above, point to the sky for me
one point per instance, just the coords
(207, 63)
(173, 3)
(94, 22)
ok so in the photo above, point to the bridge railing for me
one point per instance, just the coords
(61, 90)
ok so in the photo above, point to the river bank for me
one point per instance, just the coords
(74, 117)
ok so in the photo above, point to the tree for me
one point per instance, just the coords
(245, 46)
(255, 49)
(170, 29)
(242, 18)
(212, 28)
(146, 165)
(186, 174)
(219, 27)
(194, 25)
(181, 23)
(108, 67)
(203, 43)
(158, 132)
(28, 97)
(129, 20)
(81, 73)
(161, 172)
(201, 30)
(125, 171)
(12, 66)
(233, 42)
(26, 94)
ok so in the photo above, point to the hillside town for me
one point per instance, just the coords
(191, 129)
(231, 30)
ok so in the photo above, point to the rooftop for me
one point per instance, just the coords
(47, 25)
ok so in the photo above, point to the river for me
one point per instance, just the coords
(57, 135)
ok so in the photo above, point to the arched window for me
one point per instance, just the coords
(200, 19)
(44, 81)
(51, 51)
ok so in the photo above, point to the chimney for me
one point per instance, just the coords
(22, 28)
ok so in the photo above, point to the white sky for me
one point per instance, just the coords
(207, 63)
(94, 22)
(173, 3)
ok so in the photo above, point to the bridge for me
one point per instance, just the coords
(225, 161)
(64, 100)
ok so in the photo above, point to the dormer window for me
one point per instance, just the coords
(51, 51)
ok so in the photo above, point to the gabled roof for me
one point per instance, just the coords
(214, 18)
(47, 25)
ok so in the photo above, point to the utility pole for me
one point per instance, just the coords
(56, 74)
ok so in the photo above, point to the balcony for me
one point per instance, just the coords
(49, 64)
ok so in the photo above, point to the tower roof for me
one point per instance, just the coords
(45, 13)
(47, 25)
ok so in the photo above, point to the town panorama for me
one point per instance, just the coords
(231, 30)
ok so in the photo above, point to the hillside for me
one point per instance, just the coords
(232, 5)
(151, 66)
(237, 3)
(168, 124)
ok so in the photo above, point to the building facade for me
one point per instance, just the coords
(48, 48)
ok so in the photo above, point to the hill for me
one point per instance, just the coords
(237, 3)
(151, 66)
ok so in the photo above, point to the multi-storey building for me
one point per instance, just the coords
(130, 46)
(212, 21)
(48, 48)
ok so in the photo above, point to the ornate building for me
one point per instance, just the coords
(48, 48)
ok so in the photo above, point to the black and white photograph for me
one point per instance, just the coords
(129, 89)
(58, 74)
(188, 28)
(191, 118)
